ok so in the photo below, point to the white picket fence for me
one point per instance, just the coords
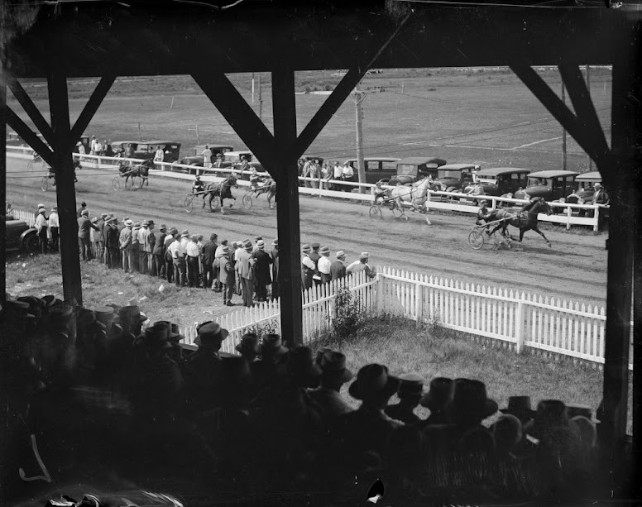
(28, 216)
(565, 214)
(516, 318)
(318, 312)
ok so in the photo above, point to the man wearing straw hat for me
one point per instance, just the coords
(323, 265)
(54, 228)
(41, 226)
(244, 266)
(361, 265)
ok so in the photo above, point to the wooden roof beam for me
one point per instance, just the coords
(29, 136)
(30, 108)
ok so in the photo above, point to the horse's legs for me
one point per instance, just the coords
(536, 229)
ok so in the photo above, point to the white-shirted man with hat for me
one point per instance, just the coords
(41, 226)
(324, 264)
(125, 244)
(307, 267)
(244, 269)
(54, 228)
(361, 265)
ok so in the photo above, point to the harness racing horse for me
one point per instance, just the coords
(266, 186)
(222, 190)
(415, 195)
(526, 219)
(137, 171)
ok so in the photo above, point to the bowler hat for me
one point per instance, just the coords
(470, 401)
(520, 407)
(410, 384)
(249, 344)
(439, 394)
(211, 332)
(373, 379)
(333, 365)
(271, 345)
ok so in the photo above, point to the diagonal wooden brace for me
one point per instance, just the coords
(90, 108)
(16, 123)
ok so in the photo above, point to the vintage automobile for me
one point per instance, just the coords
(454, 177)
(19, 236)
(551, 185)
(119, 147)
(147, 150)
(501, 180)
(412, 169)
(585, 188)
(197, 158)
(377, 168)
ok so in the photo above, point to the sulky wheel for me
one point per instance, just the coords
(189, 203)
(115, 183)
(375, 212)
(476, 239)
(215, 203)
(247, 201)
(397, 212)
(44, 184)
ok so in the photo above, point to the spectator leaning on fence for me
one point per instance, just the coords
(361, 265)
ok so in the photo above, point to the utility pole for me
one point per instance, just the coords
(359, 97)
(563, 132)
(588, 86)
(260, 99)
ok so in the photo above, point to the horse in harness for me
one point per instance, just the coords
(52, 174)
(263, 185)
(222, 190)
(138, 171)
(524, 220)
(414, 196)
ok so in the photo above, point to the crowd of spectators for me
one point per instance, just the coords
(242, 268)
(108, 386)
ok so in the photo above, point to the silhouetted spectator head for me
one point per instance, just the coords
(470, 404)
(550, 414)
(131, 319)
(586, 430)
(439, 395)
(235, 380)
(520, 407)
(411, 388)
(374, 386)
(211, 335)
(333, 369)
(301, 369)
(156, 337)
(272, 348)
(248, 347)
(507, 432)
(214, 237)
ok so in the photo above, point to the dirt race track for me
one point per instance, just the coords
(574, 268)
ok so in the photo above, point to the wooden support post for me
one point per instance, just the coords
(620, 178)
(284, 111)
(65, 189)
(519, 325)
(3, 178)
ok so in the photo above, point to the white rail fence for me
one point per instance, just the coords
(565, 214)
(28, 216)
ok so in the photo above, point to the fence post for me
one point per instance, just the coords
(381, 280)
(596, 217)
(569, 212)
(519, 325)
(419, 302)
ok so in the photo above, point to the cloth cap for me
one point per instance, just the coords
(341, 253)
(364, 255)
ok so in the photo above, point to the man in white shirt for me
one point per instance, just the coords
(54, 228)
(207, 156)
(361, 265)
(323, 265)
(193, 254)
(159, 154)
(41, 227)
(307, 267)
(177, 251)
(347, 172)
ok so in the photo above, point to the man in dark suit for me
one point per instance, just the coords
(338, 267)
(209, 249)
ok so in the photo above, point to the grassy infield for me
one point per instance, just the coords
(432, 351)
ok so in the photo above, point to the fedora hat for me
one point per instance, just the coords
(301, 367)
(157, 335)
(128, 223)
(306, 248)
(249, 344)
(333, 365)
(131, 314)
(470, 401)
(550, 414)
(340, 253)
(272, 345)
(325, 250)
(163, 227)
(247, 244)
(364, 255)
(373, 379)
(145, 223)
(260, 244)
(211, 332)
(439, 394)
(185, 234)
(410, 384)
(520, 407)
(174, 331)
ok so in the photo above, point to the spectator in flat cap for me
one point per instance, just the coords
(202, 369)
(333, 375)
(338, 266)
(308, 267)
(361, 265)
(410, 391)
(262, 275)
